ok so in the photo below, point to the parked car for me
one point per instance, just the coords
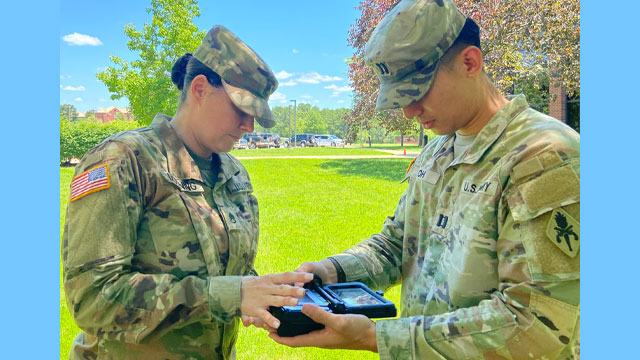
(304, 140)
(337, 140)
(254, 140)
(274, 140)
(328, 140)
(240, 144)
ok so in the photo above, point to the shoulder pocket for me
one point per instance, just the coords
(552, 189)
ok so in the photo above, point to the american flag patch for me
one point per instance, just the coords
(90, 181)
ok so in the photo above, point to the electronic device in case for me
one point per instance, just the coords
(339, 298)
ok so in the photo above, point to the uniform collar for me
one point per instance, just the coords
(179, 161)
(490, 132)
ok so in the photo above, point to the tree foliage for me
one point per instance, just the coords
(146, 81)
(308, 119)
(68, 112)
(526, 44)
(78, 137)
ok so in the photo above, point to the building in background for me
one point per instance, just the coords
(113, 113)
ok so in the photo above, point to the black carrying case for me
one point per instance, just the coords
(339, 298)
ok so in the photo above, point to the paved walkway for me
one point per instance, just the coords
(390, 156)
(393, 154)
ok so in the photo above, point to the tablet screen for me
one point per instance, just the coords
(355, 296)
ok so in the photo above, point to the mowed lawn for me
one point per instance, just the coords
(380, 146)
(309, 209)
(307, 151)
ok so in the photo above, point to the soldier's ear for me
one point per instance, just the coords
(471, 56)
(198, 88)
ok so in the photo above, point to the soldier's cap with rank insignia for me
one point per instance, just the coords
(406, 45)
(245, 76)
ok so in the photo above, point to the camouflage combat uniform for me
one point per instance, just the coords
(155, 246)
(142, 259)
(485, 245)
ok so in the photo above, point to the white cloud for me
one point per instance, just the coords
(74, 88)
(295, 51)
(81, 39)
(101, 68)
(60, 86)
(315, 78)
(337, 90)
(103, 100)
(78, 99)
(305, 96)
(288, 83)
(340, 101)
(283, 75)
(316, 101)
(62, 77)
(279, 97)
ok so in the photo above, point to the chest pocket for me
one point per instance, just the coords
(241, 216)
(174, 234)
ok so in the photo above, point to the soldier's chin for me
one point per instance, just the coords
(439, 131)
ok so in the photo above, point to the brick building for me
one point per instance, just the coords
(111, 113)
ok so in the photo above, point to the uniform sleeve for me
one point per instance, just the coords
(535, 311)
(106, 295)
(377, 261)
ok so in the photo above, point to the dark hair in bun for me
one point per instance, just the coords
(179, 70)
(186, 68)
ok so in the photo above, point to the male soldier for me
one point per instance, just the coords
(485, 239)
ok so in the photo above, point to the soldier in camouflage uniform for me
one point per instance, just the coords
(485, 240)
(161, 229)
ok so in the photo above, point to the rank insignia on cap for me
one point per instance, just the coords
(383, 69)
(564, 231)
(90, 181)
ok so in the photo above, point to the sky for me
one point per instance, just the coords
(304, 42)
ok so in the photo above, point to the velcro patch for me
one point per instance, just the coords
(90, 181)
(564, 231)
(551, 189)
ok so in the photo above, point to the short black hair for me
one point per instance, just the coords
(186, 68)
(469, 36)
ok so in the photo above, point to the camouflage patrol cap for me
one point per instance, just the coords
(245, 76)
(406, 45)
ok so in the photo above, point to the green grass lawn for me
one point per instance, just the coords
(308, 151)
(412, 148)
(309, 209)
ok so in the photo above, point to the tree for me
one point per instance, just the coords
(68, 112)
(146, 81)
(524, 43)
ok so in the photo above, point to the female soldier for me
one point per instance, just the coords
(162, 227)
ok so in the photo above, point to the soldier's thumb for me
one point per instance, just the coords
(316, 314)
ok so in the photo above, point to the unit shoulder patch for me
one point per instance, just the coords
(90, 181)
(564, 231)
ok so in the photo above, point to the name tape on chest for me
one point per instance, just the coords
(183, 185)
(428, 175)
(90, 181)
(482, 187)
(239, 184)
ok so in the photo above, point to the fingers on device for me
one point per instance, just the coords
(340, 298)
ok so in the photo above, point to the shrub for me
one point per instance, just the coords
(76, 138)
